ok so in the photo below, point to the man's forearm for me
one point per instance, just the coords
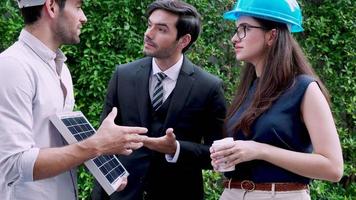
(53, 161)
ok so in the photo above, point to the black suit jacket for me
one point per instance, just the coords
(196, 113)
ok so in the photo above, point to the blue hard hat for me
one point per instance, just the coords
(283, 11)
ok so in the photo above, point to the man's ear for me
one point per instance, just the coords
(50, 7)
(185, 40)
(271, 36)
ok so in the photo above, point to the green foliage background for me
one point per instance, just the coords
(114, 32)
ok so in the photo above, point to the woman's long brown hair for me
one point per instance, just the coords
(284, 61)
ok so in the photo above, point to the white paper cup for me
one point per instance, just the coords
(219, 145)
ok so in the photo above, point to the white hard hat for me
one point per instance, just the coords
(30, 3)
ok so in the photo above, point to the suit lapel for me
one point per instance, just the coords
(180, 93)
(142, 88)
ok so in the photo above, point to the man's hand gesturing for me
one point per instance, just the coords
(113, 139)
(165, 144)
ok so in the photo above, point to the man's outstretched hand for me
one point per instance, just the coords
(165, 144)
(113, 139)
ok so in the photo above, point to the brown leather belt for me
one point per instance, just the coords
(251, 186)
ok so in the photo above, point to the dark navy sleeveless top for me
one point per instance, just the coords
(281, 126)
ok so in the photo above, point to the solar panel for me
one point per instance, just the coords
(107, 169)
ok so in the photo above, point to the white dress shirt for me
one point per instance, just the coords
(30, 92)
(169, 84)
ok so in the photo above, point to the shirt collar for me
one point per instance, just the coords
(45, 53)
(172, 72)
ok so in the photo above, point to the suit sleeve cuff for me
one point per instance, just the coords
(174, 159)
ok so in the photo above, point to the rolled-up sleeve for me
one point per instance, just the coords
(17, 147)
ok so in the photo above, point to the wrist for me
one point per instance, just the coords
(263, 151)
(90, 146)
(174, 149)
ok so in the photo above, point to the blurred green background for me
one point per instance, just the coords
(114, 33)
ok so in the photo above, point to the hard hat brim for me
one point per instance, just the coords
(30, 3)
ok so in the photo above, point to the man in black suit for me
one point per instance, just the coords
(183, 109)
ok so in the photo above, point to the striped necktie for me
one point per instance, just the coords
(157, 98)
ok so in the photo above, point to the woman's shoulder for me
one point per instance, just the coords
(304, 79)
(299, 86)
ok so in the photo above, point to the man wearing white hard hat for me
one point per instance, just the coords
(35, 84)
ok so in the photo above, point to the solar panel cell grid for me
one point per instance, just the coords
(108, 165)
(78, 127)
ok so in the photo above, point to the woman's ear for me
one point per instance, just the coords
(271, 36)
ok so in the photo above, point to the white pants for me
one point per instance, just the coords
(239, 194)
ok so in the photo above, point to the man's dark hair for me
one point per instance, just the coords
(188, 22)
(32, 14)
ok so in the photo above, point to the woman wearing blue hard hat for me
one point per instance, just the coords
(283, 129)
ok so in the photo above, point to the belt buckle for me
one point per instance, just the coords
(248, 185)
